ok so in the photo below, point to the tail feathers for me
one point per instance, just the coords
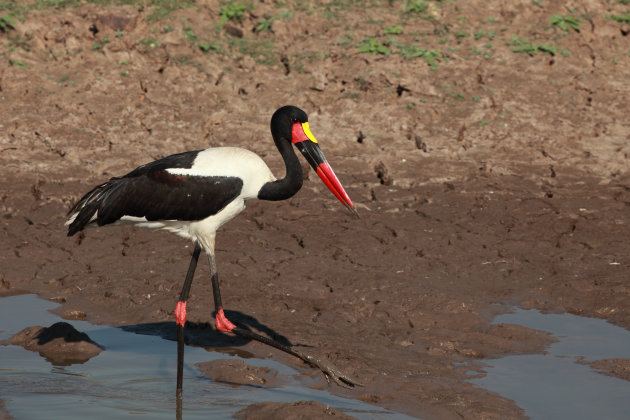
(85, 210)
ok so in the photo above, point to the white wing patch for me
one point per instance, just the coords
(231, 161)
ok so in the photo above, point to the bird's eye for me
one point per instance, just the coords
(293, 120)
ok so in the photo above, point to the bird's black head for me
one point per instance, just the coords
(282, 122)
(289, 125)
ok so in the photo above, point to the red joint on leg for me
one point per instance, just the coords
(224, 324)
(180, 313)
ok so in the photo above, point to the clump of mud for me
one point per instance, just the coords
(60, 344)
(237, 372)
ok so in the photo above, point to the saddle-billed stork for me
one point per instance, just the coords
(194, 193)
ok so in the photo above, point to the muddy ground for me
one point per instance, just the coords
(486, 149)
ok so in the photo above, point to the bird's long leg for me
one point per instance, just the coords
(180, 318)
(223, 324)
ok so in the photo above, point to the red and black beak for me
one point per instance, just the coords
(307, 144)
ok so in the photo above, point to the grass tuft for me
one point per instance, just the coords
(233, 11)
(372, 46)
(7, 22)
(566, 23)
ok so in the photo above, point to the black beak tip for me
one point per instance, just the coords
(354, 212)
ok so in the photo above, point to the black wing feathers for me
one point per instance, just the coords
(182, 160)
(85, 208)
(150, 191)
(163, 196)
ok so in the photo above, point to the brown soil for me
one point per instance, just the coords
(3, 413)
(302, 410)
(491, 177)
(619, 368)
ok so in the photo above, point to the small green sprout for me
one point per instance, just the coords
(233, 11)
(566, 23)
(372, 46)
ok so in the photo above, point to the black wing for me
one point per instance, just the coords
(150, 191)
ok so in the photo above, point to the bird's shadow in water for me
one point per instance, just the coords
(204, 334)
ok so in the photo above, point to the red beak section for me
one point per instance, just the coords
(306, 143)
(327, 175)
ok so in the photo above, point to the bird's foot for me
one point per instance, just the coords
(330, 371)
(223, 324)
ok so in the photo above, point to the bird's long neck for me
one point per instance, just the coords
(288, 186)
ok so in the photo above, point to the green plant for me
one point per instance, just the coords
(57, 4)
(162, 8)
(205, 46)
(233, 11)
(209, 46)
(6, 22)
(548, 48)
(485, 54)
(285, 15)
(392, 42)
(65, 79)
(98, 45)
(16, 9)
(184, 59)
(524, 45)
(377, 22)
(346, 40)
(481, 33)
(149, 43)
(264, 25)
(372, 46)
(18, 41)
(432, 57)
(566, 23)
(263, 52)
(393, 30)
(17, 63)
(415, 6)
(190, 35)
(620, 18)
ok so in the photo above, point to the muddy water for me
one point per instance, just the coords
(560, 384)
(135, 375)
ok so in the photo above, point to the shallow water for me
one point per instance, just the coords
(134, 376)
(555, 385)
